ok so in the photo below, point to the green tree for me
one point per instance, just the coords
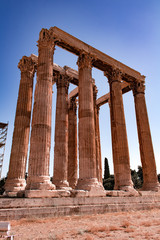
(158, 178)
(106, 169)
(2, 183)
(140, 173)
(137, 182)
(109, 183)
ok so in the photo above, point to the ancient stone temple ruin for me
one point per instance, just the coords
(66, 179)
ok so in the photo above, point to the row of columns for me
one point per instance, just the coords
(119, 135)
(65, 151)
(90, 174)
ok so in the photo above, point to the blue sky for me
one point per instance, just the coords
(126, 30)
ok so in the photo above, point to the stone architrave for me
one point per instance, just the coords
(40, 143)
(97, 136)
(118, 131)
(17, 168)
(72, 143)
(150, 180)
(61, 134)
(87, 150)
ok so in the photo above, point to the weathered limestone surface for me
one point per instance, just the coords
(47, 193)
(72, 143)
(73, 93)
(99, 147)
(97, 137)
(69, 72)
(105, 98)
(61, 134)
(150, 181)
(38, 172)
(118, 131)
(87, 151)
(17, 169)
(102, 61)
(49, 207)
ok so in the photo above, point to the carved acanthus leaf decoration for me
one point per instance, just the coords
(46, 39)
(73, 104)
(95, 91)
(62, 81)
(113, 74)
(85, 60)
(138, 87)
(26, 64)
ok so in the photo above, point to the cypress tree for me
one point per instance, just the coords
(106, 169)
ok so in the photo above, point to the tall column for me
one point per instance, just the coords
(150, 181)
(40, 143)
(87, 151)
(72, 143)
(99, 147)
(17, 168)
(97, 137)
(61, 134)
(118, 131)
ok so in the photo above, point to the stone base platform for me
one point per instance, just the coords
(17, 208)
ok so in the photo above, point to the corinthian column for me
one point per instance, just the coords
(40, 143)
(17, 168)
(97, 137)
(61, 134)
(150, 181)
(99, 147)
(72, 143)
(119, 135)
(87, 150)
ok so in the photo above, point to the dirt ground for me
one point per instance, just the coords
(124, 225)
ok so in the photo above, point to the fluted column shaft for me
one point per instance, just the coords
(118, 131)
(87, 151)
(61, 134)
(150, 181)
(17, 168)
(97, 137)
(98, 147)
(40, 143)
(72, 143)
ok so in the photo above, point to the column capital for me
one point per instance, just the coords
(98, 109)
(73, 104)
(26, 64)
(95, 91)
(84, 60)
(62, 81)
(46, 39)
(113, 75)
(138, 87)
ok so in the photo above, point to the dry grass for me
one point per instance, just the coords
(114, 228)
(129, 230)
(96, 229)
(130, 225)
(89, 238)
(125, 224)
(24, 221)
(146, 223)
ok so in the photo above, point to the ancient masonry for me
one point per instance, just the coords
(65, 181)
